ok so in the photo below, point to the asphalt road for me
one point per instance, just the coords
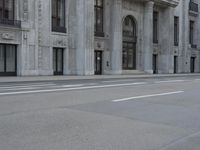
(104, 114)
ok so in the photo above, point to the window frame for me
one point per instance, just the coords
(176, 30)
(58, 28)
(99, 31)
(155, 26)
(2, 17)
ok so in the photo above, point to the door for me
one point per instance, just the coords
(155, 66)
(192, 64)
(129, 56)
(98, 62)
(58, 61)
(175, 64)
(8, 60)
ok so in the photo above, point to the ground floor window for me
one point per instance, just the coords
(8, 60)
(129, 56)
(58, 61)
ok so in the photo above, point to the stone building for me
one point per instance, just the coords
(86, 37)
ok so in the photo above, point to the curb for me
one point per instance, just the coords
(77, 78)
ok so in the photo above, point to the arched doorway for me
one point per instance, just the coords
(129, 44)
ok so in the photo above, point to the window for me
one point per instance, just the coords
(176, 31)
(155, 27)
(191, 34)
(7, 9)
(58, 16)
(98, 25)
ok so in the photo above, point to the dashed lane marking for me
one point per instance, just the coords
(70, 89)
(147, 96)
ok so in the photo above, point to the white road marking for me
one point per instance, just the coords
(170, 81)
(91, 83)
(40, 87)
(25, 86)
(146, 96)
(197, 79)
(113, 81)
(70, 89)
(73, 85)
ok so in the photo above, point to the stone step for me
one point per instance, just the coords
(136, 72)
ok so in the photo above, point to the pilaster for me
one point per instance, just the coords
(116, 43)
(85, 37)
(148, 36)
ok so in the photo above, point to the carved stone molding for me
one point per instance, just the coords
(8, 36)
(59, 42)
(25, 10)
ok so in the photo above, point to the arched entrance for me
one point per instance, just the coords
(129, 44)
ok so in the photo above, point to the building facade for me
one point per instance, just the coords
(87, 37)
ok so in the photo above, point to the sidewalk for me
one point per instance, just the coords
(93, 77)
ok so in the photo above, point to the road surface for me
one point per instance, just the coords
(104, 114)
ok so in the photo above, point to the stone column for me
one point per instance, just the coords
(116, 32)
(85, 37)
(167, 40)
(148, 36)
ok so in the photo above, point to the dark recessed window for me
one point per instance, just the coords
(155, 27)
(7, 9)
(58, 16)
(98, 23)
(191, 38)
(176, 31)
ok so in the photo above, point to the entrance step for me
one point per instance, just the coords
(130, 72)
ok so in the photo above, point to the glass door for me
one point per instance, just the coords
(155, 64)
(192, 64)
(58, 61)
(8, 60)
(98, 62)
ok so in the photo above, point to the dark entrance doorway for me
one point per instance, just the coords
(155, 63)
(58, 61)
(8, 60)
(129, 44)
(192, 64)
(98, 62)
(175, 64)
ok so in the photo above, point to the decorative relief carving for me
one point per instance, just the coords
(8, 36)
(99, 45)
(25, 10)
(40, 48)
(127, 4)
(40, 22)
(59, 42)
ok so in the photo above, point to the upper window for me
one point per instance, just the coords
(191, 32)
(155, 27)
(98, 26)
(7, 9)
(176, 31)
(129, 27)
(58, 16)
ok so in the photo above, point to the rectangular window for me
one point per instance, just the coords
(7, 9)
(191, 38)
(176, 31)
(58, 16)
(155, 27)
(98, 23)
